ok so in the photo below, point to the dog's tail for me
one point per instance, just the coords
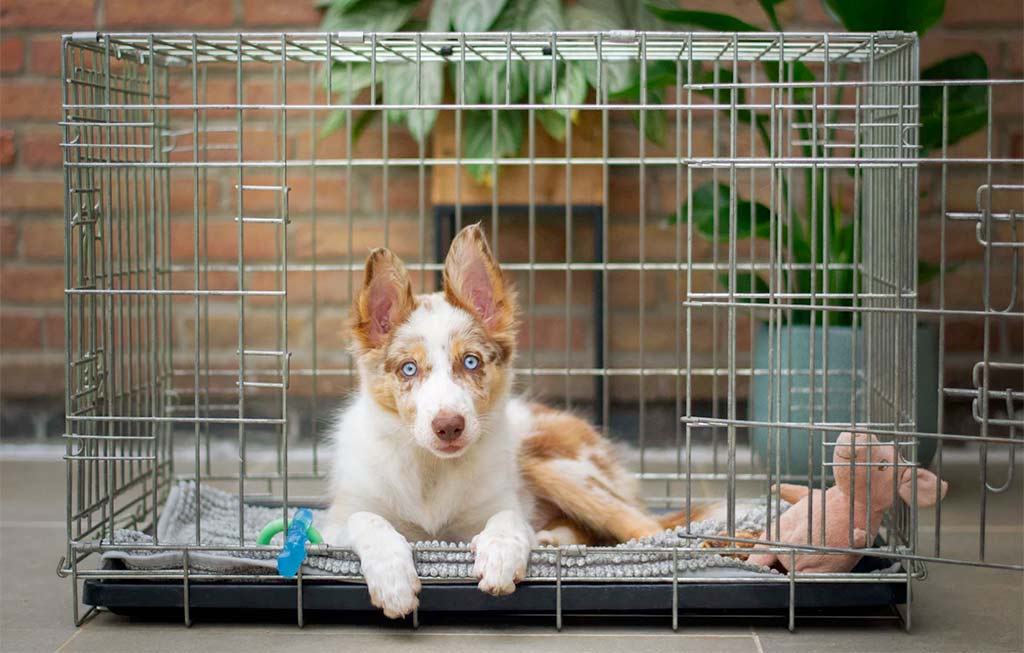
(697, 512)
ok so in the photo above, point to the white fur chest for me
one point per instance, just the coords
(379, 469)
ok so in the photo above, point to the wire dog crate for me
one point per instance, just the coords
(727, 298)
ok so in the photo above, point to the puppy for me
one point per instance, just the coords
(432, 445)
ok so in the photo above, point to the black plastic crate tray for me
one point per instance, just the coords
(624, 598)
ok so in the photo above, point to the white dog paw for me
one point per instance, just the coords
(393, 585)
(500, 562)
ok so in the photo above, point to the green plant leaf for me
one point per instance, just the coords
(552, 122)
(339, 5)
(926, 271)
(704, 198)
(478, 140)
(367, 15)
(571, 89)
(745, 287)
(655, 123)
(709, 20)
(593, 17)
(606, 15)
(967, 107)
(530, 16)
(800, 72)
(659, 75)
(345, 84)
(481, 76)
(336, 121)
(617, 75)
(403, 83)
(476, 15)
(440, 18)
(723, 94)
(769, 10)
(878, 15)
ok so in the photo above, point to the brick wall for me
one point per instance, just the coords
(31, 196)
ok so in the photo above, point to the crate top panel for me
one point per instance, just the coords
(183, 48)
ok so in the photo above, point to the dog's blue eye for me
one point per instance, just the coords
(471, 362)
(409, 369)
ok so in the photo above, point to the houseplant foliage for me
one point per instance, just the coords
(820, 211)
(487, 133)
(966, 114)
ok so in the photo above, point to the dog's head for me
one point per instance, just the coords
(442, 362)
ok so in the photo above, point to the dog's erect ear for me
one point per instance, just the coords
(473, 280)
(384, 301)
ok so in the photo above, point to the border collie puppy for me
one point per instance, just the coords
(433, 446)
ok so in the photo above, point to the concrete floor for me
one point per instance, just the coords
(956, 609)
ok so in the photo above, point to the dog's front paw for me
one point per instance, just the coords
(501, 561)
(393, 584)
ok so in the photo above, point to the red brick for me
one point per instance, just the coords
(32, 284)
(12, 54)
(44, 55)
(42, 240)
(402, 194)
(266, 14)
(1014, 59)
(8, 238)
(40, 147)
(222, 243)
(32, 380)
(330, 193)
(549, 333)
(332, 330)
(331, 289)
(260, 330)
(964, 287)
(53, 331)
(22, 99)
(332, 239)
(7, 149)
(942, 44)
(549, 287)
(187, 13)
(182, 197)
(75, 14)
(1007, 102)
(33, 194)
(370, 144)
(20, 332)
(998, 13)
(260, 143)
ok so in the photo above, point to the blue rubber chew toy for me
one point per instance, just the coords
(300, 530)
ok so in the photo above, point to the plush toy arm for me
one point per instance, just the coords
(763, 559)
(860, 538)
(791, 493)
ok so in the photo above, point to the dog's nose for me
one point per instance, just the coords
(448, 425)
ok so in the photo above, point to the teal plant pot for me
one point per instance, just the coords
(792, 387)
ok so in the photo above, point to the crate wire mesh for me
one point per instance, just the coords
(205, 298)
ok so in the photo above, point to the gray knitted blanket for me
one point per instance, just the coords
(220, 512)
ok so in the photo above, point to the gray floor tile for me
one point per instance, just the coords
(956, 609)
(216, 638)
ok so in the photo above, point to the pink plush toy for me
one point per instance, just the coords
(876, 460)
